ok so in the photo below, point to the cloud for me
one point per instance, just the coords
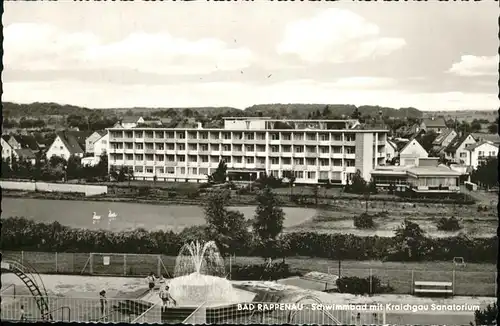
(470, 66)
(336, 36)
(236, 94)
(42, 47)
(364, 82)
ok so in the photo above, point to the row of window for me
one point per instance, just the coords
(204, 171)
(229, 159)
(310, 136)
(237, 148)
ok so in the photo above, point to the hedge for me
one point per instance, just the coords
(23, 234)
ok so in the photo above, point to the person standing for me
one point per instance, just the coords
(22, 316)
(103, 302)
(151, 281)
(165, 297)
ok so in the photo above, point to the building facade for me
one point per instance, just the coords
(411, 153)
(480, 152)
(315, 151)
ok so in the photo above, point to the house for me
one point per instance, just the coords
(23, 142)
(6, 148)
(456, 150)
(494, 138)
(408, 131)
(67, 144)
(411, 152)
(443, 140)
(130, 122)
(101, 145)
(391, 150)
(24, 154)
(89, 142)
(480, 152)
(433, 124)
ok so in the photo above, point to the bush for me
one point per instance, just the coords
(266, 272)
(488, 316)
(23, 234)
(448, 224)
(358, 285)
(172, 194)
(364, 221)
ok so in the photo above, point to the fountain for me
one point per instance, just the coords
(199, 277)
(200, 281)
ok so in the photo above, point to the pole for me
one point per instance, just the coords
(159, 266)
(91, 263)
(125, 264)
(340, 267)
(56, 261)
(371, 282)
(453, 282)
(412, 281)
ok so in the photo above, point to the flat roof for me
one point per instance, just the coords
(432, 171)
(245, 129)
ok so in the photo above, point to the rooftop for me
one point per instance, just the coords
(432, 171)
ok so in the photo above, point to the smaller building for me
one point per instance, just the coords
(433, 124)
(427, 179)
(411, 152)
(67, 144)
(129, 122)
(90, 141)
(457, 150)
(6, 148)
(391, 150)
(480, 152)
(24, 154)
(101, 145)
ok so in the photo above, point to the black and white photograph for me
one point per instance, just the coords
(250, 162)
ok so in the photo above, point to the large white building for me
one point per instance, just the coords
(315, 151)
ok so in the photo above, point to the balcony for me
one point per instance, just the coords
(215, 140)
(261, 154)
(117, 139)
(238, 140)
(350, 156)
(159, 140)
(259, 141)
(180, 140)
(286, 154)
(149, 151)
(287, 142)
(170, 164)
(312, 155)
(203, 141)
(238, 153)
(129, 151)
(192, 152)
(149, 163)
(193, 140)
(260, 165)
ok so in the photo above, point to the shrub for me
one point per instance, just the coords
(364, 221)
(266, 272)
(172, 194)
(358, 285)
(448, 224)
(488, 316)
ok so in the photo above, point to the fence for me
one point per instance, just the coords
(466, 283)
(470, 283)
(66, 309)
(88, 190)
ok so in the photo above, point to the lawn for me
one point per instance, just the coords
(471, 280)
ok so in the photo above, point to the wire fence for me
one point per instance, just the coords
(401, 281)
(116, 310)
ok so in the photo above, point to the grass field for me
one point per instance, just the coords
(471, 280)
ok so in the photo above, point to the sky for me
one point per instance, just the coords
(432, 56)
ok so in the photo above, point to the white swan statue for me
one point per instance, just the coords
(95, 218)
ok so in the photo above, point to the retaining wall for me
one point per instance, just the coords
(88, 190)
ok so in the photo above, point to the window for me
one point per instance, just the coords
(275, 160)
(204, 147)
(181, 135)
(286, 160)
(311, 161)
(325, 137)
(227, 135)
(324, 149)
(204, 135)
(311, 175)
(183, 170)
(192, 158)
(275, 149)
(215, 147)
(298, 161)
(226, 159)
(170, 158)
(214, 159)
(275, 136)
(298, 149)
(160, 158)
(249, 148)
(298, 174)
(323, 162)
(138, 146)
(159, 147)
(194, 171)
(463, 155)
(159, 170)
(238, 159)
(170, 170)
(298, 136)
(203, 171)
(286, 136)
(181, 158)
(138, 169)
(226, 148)
(250, 160)
(181, 147)
(249, 136)
(138, 157)
(204, 158)
(149, 170)
(323, 175)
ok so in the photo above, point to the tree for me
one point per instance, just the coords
(290, 177)
(220, 174)
(358, 184)
(226, 227)
(268, 222)
(356, 114)
(326, 112)
(426, 139)
(74, 167)
(409, 238)
(488, 316)
(493, 128)
(475, 126)
(487, 173)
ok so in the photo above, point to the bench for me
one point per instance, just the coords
(436, 288)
